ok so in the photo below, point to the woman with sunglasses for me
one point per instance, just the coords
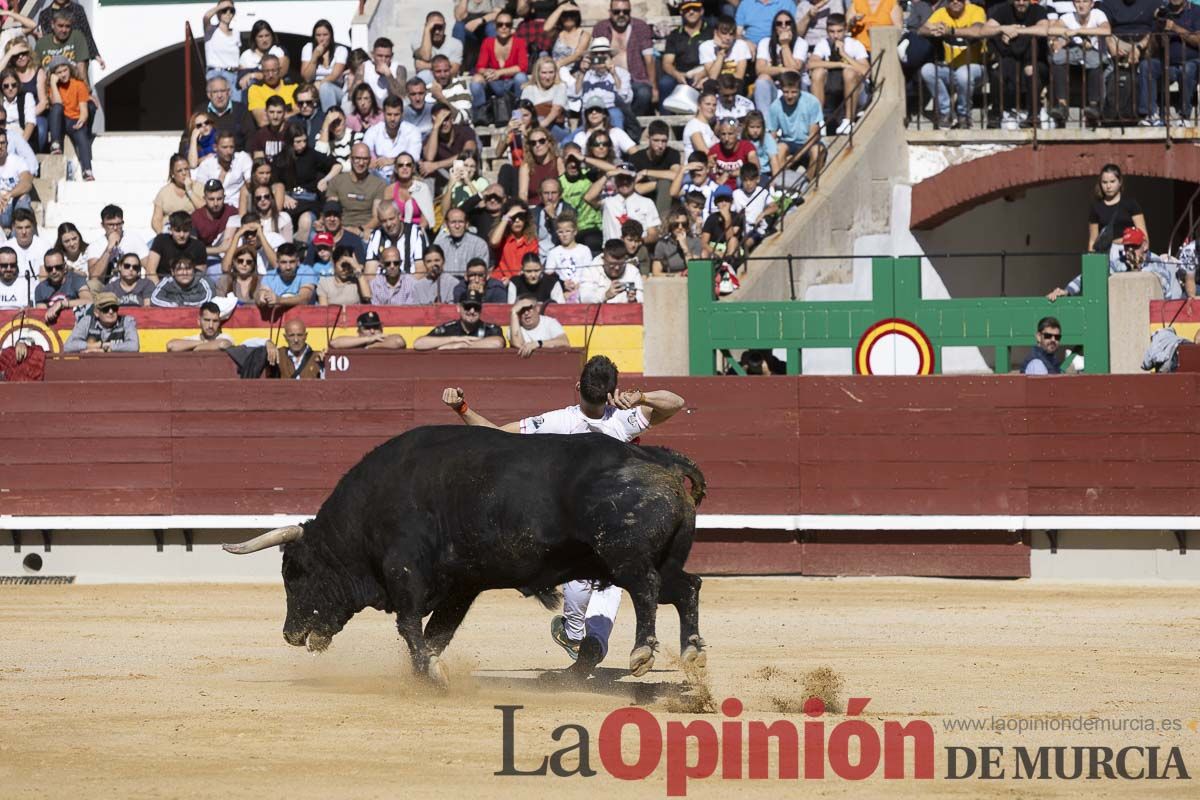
(784, 50)
(541, 164)
(263, 42)
(221, 45)
(366, 111)
(199, 140)
(502, 66)
(70, 242)
(242, 279)
(512, 238)
(673, 251)
(129, 286)
(599, 153)
(180, 194)
(409, 194)
(572, 38)
(32, 77)
(322, 62)
(596, 120)
(20, 108)
(305, 175)
(264, 203)
(261, 174)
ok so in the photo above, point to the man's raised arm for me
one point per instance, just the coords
(457, 401)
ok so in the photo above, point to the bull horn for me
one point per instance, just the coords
(269, 539)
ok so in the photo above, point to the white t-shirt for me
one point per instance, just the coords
(565, 261)
(547, 328)
(128, 244)
(233, 180)
(739, 52)
(1095, 19)
(10, 171)
(799, 51)
(617, 209)
(373, 79)
(408, 140)
(451, 48)
(30, 257)
(221, 50)
(340, 54)
(620, 139)
(624, 425)
(14, 117)
(252, 60)
(594, 282)
(853, 48)
(555, 95)
(17, 295)
(742, 106)
(696, 125)
(752, 204)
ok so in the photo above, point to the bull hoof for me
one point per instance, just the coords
(437, 672)
(693, 654)
(641, 660)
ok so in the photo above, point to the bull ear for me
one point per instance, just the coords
(269, 539)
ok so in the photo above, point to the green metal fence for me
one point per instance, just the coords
(1001, 323)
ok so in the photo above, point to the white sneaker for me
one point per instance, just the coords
(1009, 121)
(845, 127)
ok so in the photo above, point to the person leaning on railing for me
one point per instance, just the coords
(955, 24)
(1173, 54)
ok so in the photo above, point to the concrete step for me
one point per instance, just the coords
(136, 147)
(113, 169)
(86, 216)
(106, 190)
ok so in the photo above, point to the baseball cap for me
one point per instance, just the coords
(722, 191)
(58, 61)
(1133, 236)
(369, 319)
(690, 4)
(332, 207)
(107, 300)
(324, 240)
(213, 185)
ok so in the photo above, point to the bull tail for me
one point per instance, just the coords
(686, 468)
(550, 597)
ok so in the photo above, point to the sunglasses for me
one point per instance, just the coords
(9, 85)
(306, 102)
(491, 198)
(404, 165)
(128, 265)
(262, 197)
(602, 143)
(619, 12)
(783, 23)
(107, 310)
(1055, 336)
(245, 261)
(392, 263)
(8, 265)
(500, 24)
(536, 142)
(55, 267)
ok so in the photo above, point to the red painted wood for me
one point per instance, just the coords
(140, 367)
(736, 552)
(934, 553)
(562, 365)
(1189, 359)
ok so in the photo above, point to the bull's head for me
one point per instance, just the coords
(317, 608)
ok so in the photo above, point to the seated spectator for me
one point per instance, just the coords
(512, 238)
(305, 174)
(19, 58)
(242, 281)
(331, 223)
(798, 118)
(366, 110)
(812, 16)
(450, 90)
(576, 181)
(230, 168)
(264, 206)
(184, 287)
(634, 237)
(347, 286)
(62, 288)
(731, 102)
(410, 195)
(358, 192)
(419, 112)
(70, 113)
(368, 335)
(1179, 60)
(754, 19)
(407, 238)
(1042, 360)
(657, 162)
(550, 207)
(102, 329)
(28, 244)
(434, 42)
(270, 140)
(384, 77)
(724, 229)
(534, 282)
(530, 331)
(601, 83)
(388, 139)
(322, 62)
(681, 51)
(674, 250)
(221, 41)
(611, 277)
(229, 113)
(391, 287)
(209, 338)
(209, 220)
(512, 143)
(565, 260)
(103, 256)
(539, 166)
(698, 135)
(297, 361)
(474, 21)
(502, 66)
(251, 234)
(17, 145)
(730, 153)
(484, 209)
(16, 288)
(963, 61)
(129, 287)
(695, 185)
(840, 64)
(167, 247)
(273, 85)
(61, 40)
(261, 175)
(784, 50)
(287, 285)
(624, 204)
(459, 245)
(1013, 83)
(725, 53)
(469, 331)
(309, 116)
(319, 259)
(548, 95)
(263, 44)
(1177, 279)
(769, 159)
(198, 140)
(20, 107)
(754, 200)
(632, 42)
(860, 18)
(71, 244)
(451, 143)
(477, 284)
(596, 130)
(180, 194)
(335, 139)
(434, 286)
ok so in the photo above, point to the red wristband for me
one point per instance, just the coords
(462, 409)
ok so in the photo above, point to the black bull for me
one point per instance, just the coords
(430, 519)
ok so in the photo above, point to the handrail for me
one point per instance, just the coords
(188, 44)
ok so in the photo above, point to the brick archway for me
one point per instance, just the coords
(964, 186)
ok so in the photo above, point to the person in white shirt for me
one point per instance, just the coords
(391, 137)
(15, 284)
(698, 134)
(231, 167)
(590, 612)
(595, 118)
(28, 245)
(569, 257)
(381, 75)
(725, 53)
(432, 42)
(322, 63)
(530, 331)
(104, 253)
(16, 182)
(625, 204)
(839, 64)
(611, 277)
(221, 44)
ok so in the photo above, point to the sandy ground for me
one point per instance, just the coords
(186, 691)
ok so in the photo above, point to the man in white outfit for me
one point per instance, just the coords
(588, 612)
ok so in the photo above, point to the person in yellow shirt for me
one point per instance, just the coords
(272, 84)
(963, 61)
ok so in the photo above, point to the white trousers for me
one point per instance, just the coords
(588, 611)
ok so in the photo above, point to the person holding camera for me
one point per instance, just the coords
(611, 277)
(601, 83)
(448, 147)
(1178, 26)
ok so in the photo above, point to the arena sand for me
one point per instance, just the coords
(190, 690)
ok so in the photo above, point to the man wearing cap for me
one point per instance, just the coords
(459, 245)
(230, 168)
(632, 42)
(368, 335)
(1177, 278)
(297, 361)
(210, 336)
(103, 329)
(167, 247)
(600, 83)
(331, 223)
(625, 204)
(681, 51)
(529, 331)
(435, 286)
(209, 221)
(611, 278)
(184, 287)
(357, 192)
(468, 332)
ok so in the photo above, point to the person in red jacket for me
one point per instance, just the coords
(502, 67)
